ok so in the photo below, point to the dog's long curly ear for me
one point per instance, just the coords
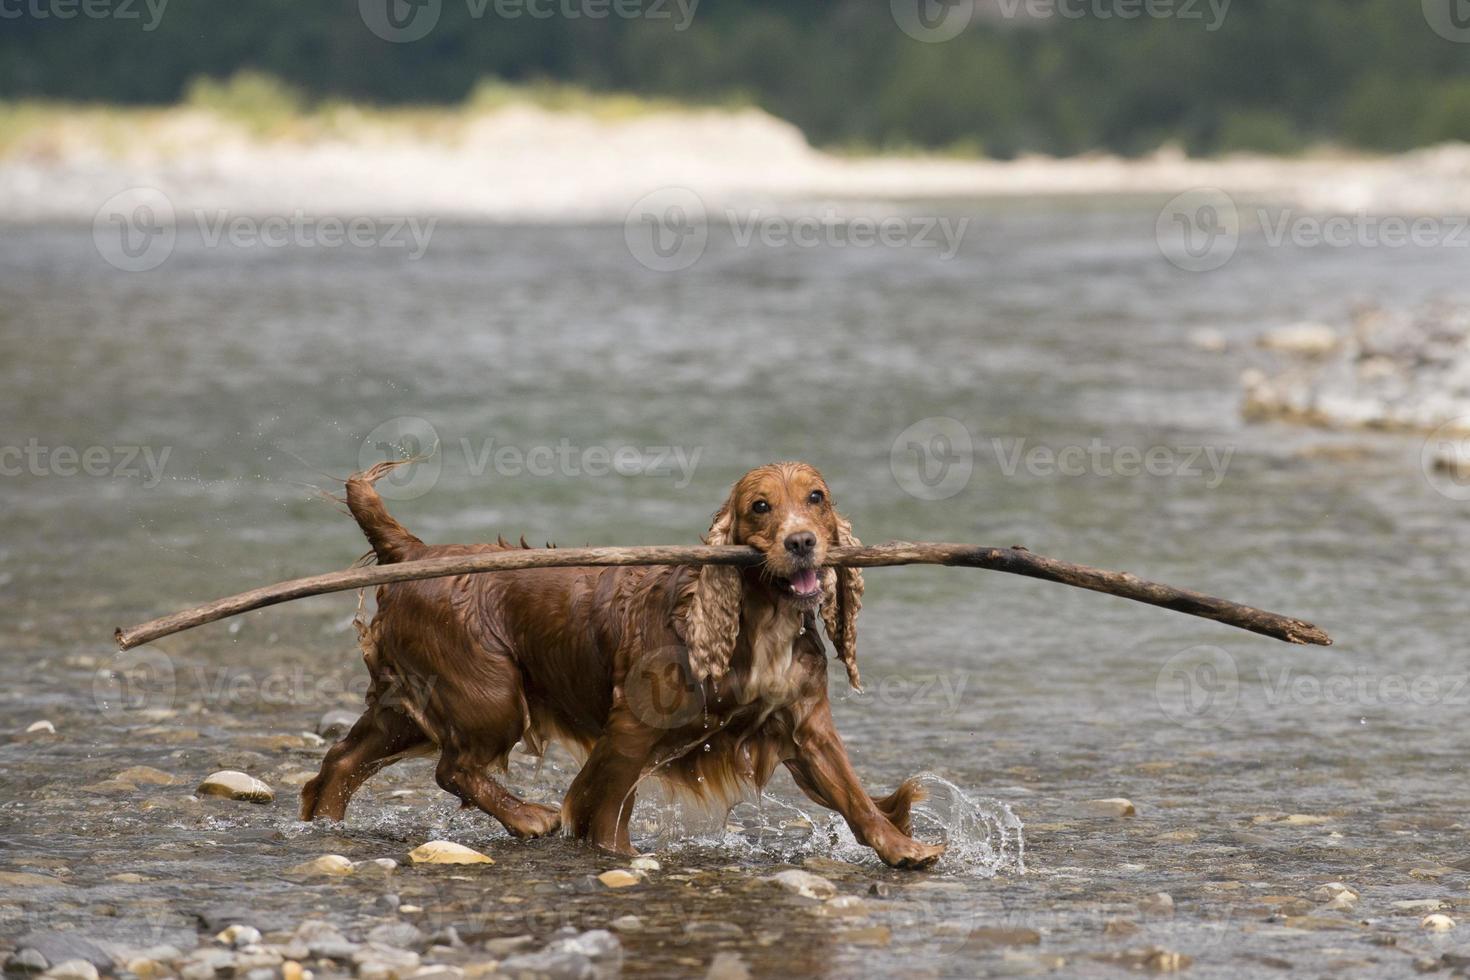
(840, 605)
(714, 615)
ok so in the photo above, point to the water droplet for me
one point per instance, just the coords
(706, 746)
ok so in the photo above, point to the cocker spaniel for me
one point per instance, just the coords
(706, 677)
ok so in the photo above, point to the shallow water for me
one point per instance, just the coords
(262, 373)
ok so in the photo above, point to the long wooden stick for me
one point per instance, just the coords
(1018, 561)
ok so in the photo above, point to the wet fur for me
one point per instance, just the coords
(709, 678)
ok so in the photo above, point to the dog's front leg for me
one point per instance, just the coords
(822, 769)
(599, 803)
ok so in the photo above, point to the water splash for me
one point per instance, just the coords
(985, 836)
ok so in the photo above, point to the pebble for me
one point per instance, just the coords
(804, 883)
(1159, 904)
(234, 785)
(627, 923)
(334, 865)
(399, 934)
(376, 962)
(644, 864)
(1115, 806)
(727, 966)
(334, 724)
(1330, 891)
(618, 878)
(239, 935)
(1309, 339)
(596, 944)
(145, 776)
(446, 852)
(72, 970)
(1438, 922)
(509, 945)
(553, 966)
(42, 727)
(26, 961)
(59, 947)
(291, 970)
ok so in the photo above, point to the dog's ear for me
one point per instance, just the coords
(714, 613)
(843, 588)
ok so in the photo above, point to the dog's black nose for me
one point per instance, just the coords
(801, 544)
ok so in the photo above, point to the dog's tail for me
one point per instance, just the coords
(391, 541)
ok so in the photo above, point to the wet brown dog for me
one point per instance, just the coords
(706, 677)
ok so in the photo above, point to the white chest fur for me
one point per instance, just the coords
(773, 633)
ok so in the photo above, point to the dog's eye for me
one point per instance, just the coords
(815, 497)
(760, 507)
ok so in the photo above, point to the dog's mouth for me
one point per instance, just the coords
(804, 587)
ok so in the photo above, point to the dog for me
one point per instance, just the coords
(707, 677)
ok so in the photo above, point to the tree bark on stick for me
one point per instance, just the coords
(1017, 561)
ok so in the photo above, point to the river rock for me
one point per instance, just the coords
(145, 776)
(42, 727)
(644, 864)
(1438, 922)
(446, 852)
(595, 944)
(378, 962)
(618, 878)
(26, 962)
(235, 785)
(547, 965)
(1113, 807)
(1159, 905)
(727, 966)
(627, 923)
(1307, 339)
(239, 936)
(59, 947)
(1408, 369)
(72, 970)
(333, 865)
(1331, 890)
(803, 883)
(399, 934)
(336, 723)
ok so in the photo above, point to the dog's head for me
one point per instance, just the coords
(785, 511)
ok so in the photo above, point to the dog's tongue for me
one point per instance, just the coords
(804, 582)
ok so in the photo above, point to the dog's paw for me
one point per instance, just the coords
(911, 855)
(534, 820)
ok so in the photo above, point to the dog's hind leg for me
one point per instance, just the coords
(380, 737)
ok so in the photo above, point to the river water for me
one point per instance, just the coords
(1044, 386)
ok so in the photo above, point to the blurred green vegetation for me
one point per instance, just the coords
(1276, 76)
